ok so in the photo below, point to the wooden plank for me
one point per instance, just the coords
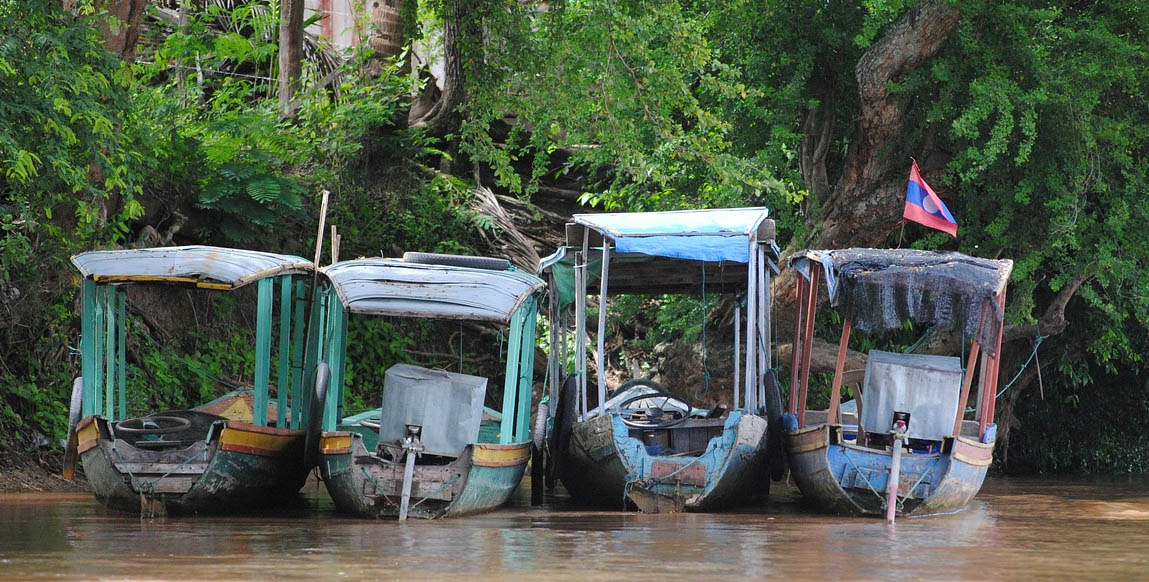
(146, 471)
(172, 484)
(283, 349)
(673, 472)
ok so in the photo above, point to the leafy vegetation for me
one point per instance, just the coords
(1030, 121)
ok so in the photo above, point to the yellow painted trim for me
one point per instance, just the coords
(336, 444)
(257, 443)
(87, 436)
(972, 461)
(486, 455)
(159, 279)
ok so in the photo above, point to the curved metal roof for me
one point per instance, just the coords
(203, 266)
(378, 286)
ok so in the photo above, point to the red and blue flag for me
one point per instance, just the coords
(925, 208)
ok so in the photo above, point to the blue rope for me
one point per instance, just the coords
(1036, 343)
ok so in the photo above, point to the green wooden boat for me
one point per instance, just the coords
(240, 451)
(432, 450)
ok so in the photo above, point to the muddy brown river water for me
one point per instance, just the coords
(1045, 528)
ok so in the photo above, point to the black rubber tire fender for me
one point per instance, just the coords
(315, 415)
(487, 263)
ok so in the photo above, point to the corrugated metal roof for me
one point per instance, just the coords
(204, 266)
(378, 286)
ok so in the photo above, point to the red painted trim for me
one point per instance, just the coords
(919, 215)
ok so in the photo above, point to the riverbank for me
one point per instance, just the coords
(40, 472)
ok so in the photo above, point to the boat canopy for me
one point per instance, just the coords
(203, 266)
(880, 289)
(666, 252)
(378, 286)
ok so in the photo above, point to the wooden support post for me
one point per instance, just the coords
(796, 346)
(109, 354)
(737, 345)
(88, 346)
(262, 350)
(839, 369)
(511, 377)
(765, 360)
(991, 398)
(967, 381)
(811, 306)
(297, 355)
(971, 363)
(526, 372)
(121, 353)
(283, 374)
(751, 390)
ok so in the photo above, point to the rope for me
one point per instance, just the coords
(436, 491)
(922, 339)
(1036, 343)
(864, 478)
(374, 484)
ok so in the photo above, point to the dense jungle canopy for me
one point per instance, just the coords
(153, 122)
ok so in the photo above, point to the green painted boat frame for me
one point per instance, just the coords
(216, 464)
(364, 483)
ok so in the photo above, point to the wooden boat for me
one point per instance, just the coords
(646, 449)
(235, 453)
(906, 448)
(432, 450)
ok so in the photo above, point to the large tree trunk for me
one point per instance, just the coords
(864, 204)
(290, 54)
(120, 22)
(460, 29)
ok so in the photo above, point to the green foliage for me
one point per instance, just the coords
(632, 93)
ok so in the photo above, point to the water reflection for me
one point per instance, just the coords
(1016, 529)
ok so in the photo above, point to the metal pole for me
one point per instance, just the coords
(751, 322)
(763, 325)
(600, 352)
(737, 354)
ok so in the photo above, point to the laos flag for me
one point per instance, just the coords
(924, 207)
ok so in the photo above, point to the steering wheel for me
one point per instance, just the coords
(153, 425)
(656, 417)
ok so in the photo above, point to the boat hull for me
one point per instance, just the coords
(605, 466)
(838, 477)
(362, 483)
(238, 466)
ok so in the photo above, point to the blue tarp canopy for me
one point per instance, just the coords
(378, 286)
(665, 252)
(699, 235)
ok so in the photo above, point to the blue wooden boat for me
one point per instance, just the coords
(244, 450)
(905, 447)
(433, 449)
(646, 449)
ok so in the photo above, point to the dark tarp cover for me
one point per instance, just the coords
(880, 289)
